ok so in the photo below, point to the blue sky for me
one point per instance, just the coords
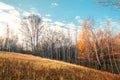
(67, 11)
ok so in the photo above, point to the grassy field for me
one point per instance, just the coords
(16, 66)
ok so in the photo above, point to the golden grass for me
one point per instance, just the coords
(16, 66)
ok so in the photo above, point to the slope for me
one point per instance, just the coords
(16, 66)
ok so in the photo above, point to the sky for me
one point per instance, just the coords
(59, 12)
(59, 9)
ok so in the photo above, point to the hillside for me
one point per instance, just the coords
(16, 66)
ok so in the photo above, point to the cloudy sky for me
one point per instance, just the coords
(60, 12)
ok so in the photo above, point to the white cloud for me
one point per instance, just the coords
(59, 24)
(9, 16)
(48, 15)
(4, 6)
(46, 19)
(79, 20)
(114, 26)
(71, 26)
(33, 10)
(77, 17)
(54, 4)
(67, 29)
(25, 13)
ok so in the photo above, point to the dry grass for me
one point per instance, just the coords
(15, 66)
